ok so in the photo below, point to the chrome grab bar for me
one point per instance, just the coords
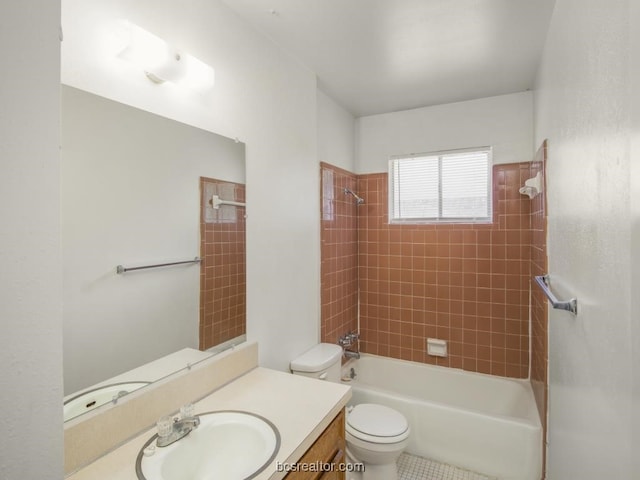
(120, 269)
(570, 305)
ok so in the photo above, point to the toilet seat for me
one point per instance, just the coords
(377, 424)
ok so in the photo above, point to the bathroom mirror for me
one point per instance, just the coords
(133, 188)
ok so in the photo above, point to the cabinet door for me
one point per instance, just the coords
(335, 474)
(328, 449)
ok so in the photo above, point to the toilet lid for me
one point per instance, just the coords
(377, 420)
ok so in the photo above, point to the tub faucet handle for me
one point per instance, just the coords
(348, 339)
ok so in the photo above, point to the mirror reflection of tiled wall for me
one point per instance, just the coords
(223, 269)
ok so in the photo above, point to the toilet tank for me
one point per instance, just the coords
(321, 361)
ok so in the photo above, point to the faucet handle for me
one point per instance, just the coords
(164, 426)
(188, 410)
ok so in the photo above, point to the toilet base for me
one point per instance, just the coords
(387, 471)
(350, 460)
(353, 476)
(380, 472)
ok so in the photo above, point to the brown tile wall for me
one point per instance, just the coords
(539, 304)
(222, 271)
(339, 267)
(467, 284)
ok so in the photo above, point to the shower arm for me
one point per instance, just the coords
(359, 200)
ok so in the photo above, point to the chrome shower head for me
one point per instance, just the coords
(359, 200)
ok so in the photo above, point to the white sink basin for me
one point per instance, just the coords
(229, 445)
(87, 401)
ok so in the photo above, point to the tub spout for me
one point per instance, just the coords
(350, 354)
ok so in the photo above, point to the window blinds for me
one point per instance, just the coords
(454, 186)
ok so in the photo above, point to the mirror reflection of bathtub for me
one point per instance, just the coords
(131, 195)
(112, 389)
(94, 397)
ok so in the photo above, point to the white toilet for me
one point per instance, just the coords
(376, 435)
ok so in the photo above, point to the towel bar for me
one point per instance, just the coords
(569, 305)
(120, 269)
(216, 201)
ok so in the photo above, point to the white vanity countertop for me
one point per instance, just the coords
(300, 407)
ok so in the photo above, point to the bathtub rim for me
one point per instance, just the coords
(532, 420)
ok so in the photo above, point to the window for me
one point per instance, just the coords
(450, 187)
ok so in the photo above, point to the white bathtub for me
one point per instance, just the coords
(480, 422)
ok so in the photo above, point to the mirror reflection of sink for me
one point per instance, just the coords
(90, 399)
(228, 444)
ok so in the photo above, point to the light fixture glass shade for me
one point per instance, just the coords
(198, 75)
(162, 63)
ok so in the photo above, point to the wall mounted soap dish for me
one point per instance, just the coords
(532, 186)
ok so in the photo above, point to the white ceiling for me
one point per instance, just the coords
(376, 56)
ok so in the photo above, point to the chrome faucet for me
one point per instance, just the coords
(347, 340)
(350, 354)
(171, 430)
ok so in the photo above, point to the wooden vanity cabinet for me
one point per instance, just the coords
(329, 448)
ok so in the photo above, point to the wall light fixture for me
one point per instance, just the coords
(164, 63)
